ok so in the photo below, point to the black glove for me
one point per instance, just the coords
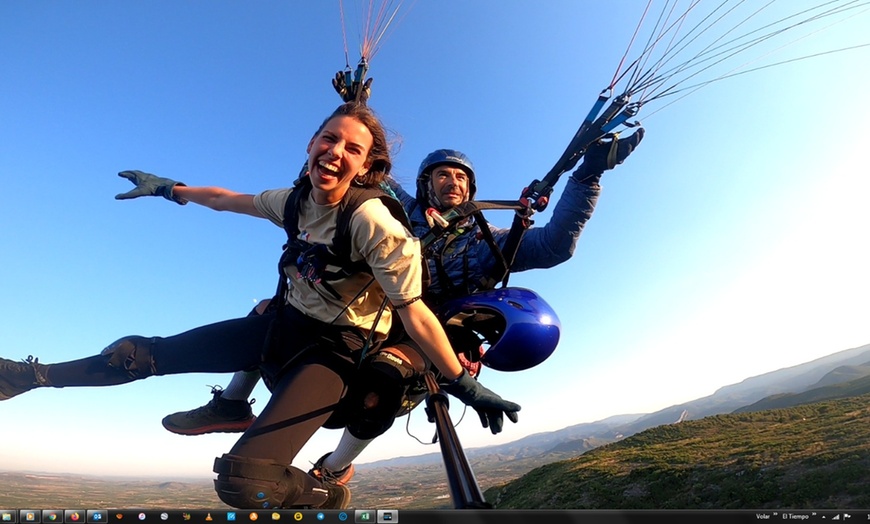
(604, 155)
(149, 185)
(348, 93)
(488, 405)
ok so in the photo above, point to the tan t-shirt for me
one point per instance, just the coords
(387, 246)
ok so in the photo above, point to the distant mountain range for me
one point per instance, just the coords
(840, 367)
(818, 379)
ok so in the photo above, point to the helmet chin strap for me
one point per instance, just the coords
(434, 201)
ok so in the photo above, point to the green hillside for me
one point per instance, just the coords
(810, 456)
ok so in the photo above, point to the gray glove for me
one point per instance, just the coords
(150, 185)
(488, 405)
(349, 93)
(604, 155)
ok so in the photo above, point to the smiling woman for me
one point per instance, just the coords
(345, 151)
(322, 324)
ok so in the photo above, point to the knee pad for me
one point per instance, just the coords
(378, 395)
(249, 483)
(133, 355)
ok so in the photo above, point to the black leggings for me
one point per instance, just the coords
(307, 369)
(222, 347)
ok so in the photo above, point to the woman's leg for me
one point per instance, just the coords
(378, 394)
(255, 474)
(232, 345)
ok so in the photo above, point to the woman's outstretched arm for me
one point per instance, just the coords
(216, 198)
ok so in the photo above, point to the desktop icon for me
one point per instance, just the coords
(387, 516)
(364, 516)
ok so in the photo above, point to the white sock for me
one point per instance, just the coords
(241, 386)
(348, 449)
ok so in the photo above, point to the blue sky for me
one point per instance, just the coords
(732, 243)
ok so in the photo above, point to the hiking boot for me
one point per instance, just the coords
(336, 478)
(18, 377)
(218, 416)
(338, 497)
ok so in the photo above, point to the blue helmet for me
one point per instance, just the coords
(438, 158)
(522, 330)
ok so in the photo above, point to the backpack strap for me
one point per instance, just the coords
(339, 254)
(301, 190)
(354, 198)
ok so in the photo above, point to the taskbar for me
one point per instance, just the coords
(446, 516)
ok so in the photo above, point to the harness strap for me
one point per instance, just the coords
(457, 214)
(449, 289)
(501, 263)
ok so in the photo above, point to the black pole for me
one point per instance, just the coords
(464, 490)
